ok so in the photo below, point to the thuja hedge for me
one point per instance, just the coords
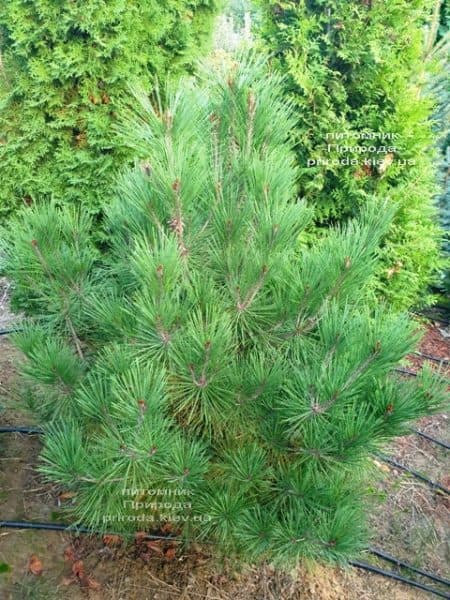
(438, 54)
(205, 355)
(65, 67)
(355, 73)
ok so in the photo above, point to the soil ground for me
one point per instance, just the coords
(410, 520)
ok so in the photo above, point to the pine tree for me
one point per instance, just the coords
(355, 75)
(65, 68)
(206, 372)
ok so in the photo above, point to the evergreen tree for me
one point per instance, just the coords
(437, 53)
(355, 75)
(206, 356)
(65, 68)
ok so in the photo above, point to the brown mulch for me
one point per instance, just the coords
(435, 344)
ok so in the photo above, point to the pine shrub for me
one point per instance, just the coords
(355, 75)
(206, 376)
(65, 67)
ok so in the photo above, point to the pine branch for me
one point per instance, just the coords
(50, 275)
(243, 305)
(319, 408)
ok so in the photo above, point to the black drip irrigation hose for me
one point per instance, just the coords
(357, 564)
(430, 317)
(8, 331)
(397, 465)
(426, 588)
(76, 529)
(431, 439)
(401, 563)
(406, 372)
(27, 430)
(442, 361)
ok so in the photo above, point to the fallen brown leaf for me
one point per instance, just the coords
(170, 553)
(112, 540)
(155, 546)
(78, 569)
(35, 565)
(69, 554)
(66, 495)
(167, 528)
(139, 536)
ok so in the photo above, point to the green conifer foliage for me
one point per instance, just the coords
(437, 53)
(65, 67)
(355, 74)
(206, 356)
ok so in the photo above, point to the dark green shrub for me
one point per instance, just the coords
(355, 74)
(65, 70)
(437, 53)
